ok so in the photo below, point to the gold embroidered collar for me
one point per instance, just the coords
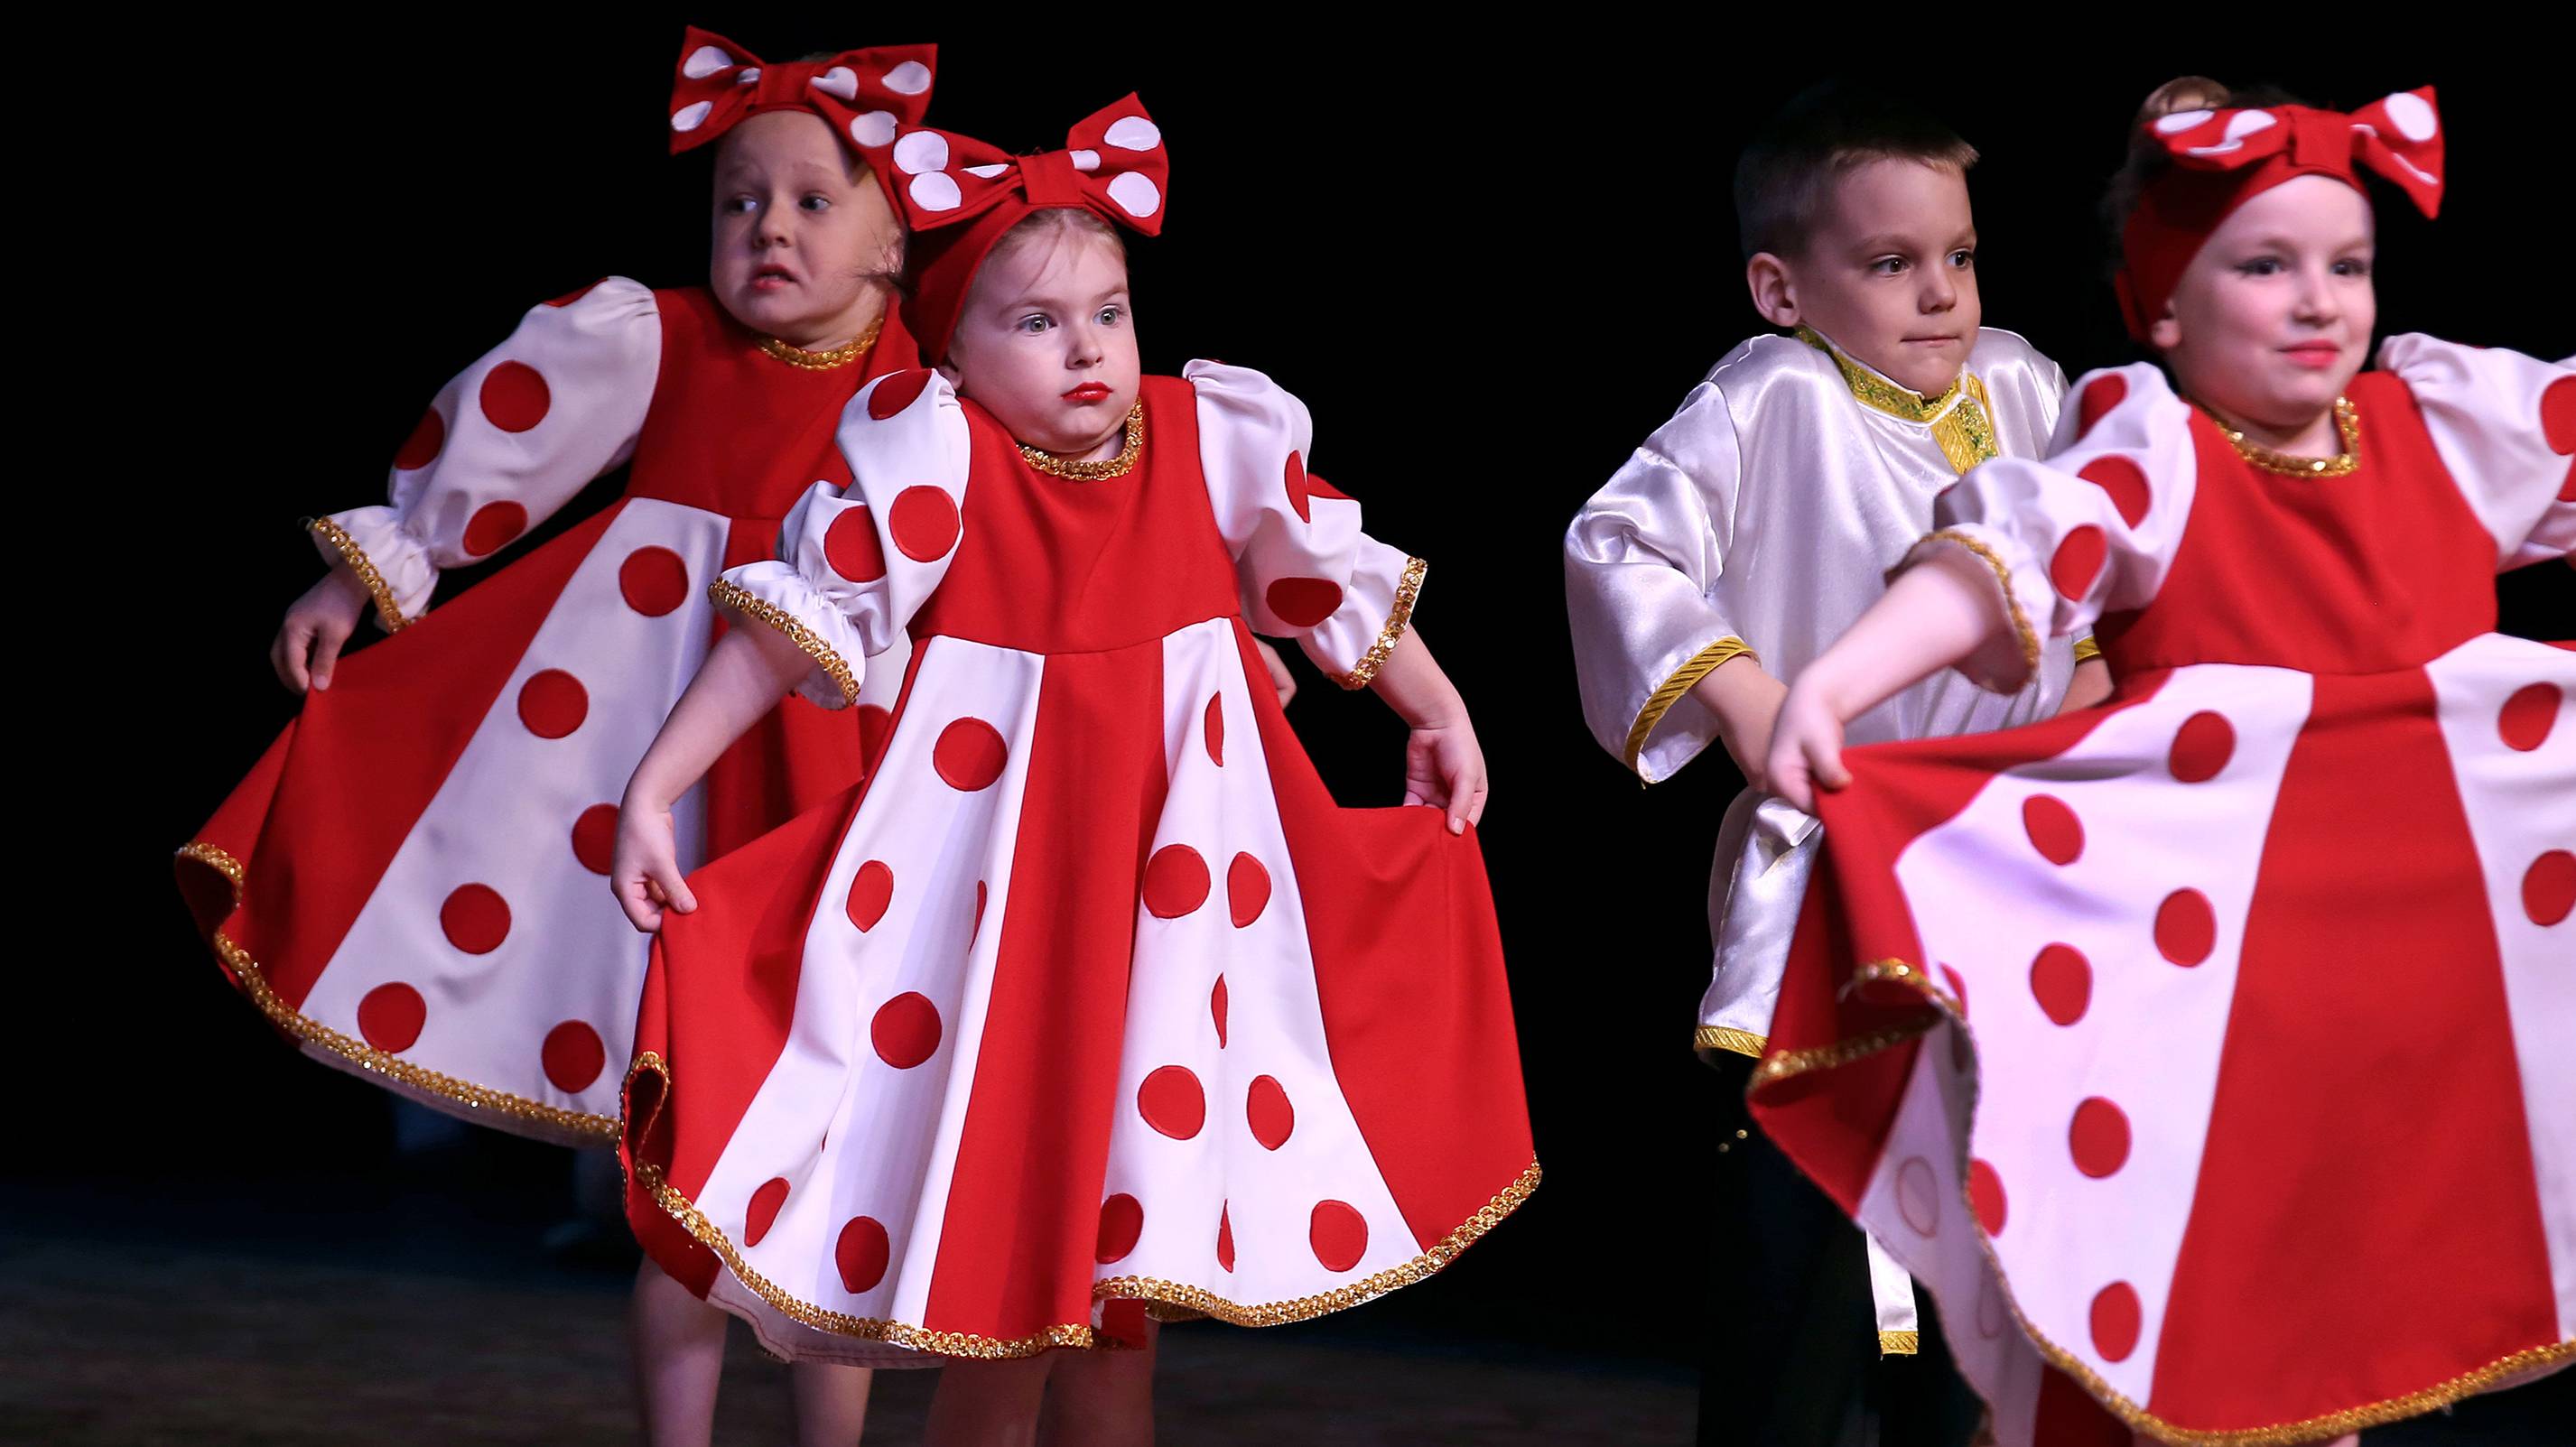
(2347, 422)
(824, 361)
(1104, 469)
(1958, 417)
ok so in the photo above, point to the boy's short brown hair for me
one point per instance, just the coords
(1783, 177)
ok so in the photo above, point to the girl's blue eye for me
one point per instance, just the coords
(1888, 265)
(2352, 266)
(1109, 316)
(816, 203)
(2262, 266)
(1034, 324)
(1963, 259)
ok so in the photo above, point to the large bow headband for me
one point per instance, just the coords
(960, 195)
(868, 96)
(2225, 158)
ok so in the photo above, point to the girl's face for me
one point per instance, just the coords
(804, 238)
(1046, 344)
(2271, 320)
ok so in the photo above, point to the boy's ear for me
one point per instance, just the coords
(1774, 293)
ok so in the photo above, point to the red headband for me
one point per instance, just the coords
(960, 195)
(2223, 159)
(867, 96)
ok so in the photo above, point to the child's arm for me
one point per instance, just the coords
(1746, 702)
(2088, 685)
(1443, 764)
(745, 675)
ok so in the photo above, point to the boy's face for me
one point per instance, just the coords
(1889, 273)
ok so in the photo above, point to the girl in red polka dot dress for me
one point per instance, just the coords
(2209, 1053)
(408, 884)
(1090, 1000)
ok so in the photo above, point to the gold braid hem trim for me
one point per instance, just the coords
(1670, 691)
(2086, 649)
(1740, 1042)
(2322, 1428)
(740, 600)
(1407, 589)
(589, 1129)
(388, 612)
(2022, 631)
(1900, 1343)
(1167, 1300)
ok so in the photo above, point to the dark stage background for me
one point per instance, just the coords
(1491, 263)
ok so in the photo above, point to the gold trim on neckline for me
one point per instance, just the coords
(2347, 422)
(823, 361)
(1101, 471)
(1878, 392)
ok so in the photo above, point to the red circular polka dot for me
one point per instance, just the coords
(875, 722)
(1267, 1111)
(2549, 887)
(421, 448)
(896, 393)
(871, 890)
(1986, 1197)
(2053, 828)
(2186, 928)
(2116, 1319)
(594, 837)
(2061, 979)
(1304, 602)
(553, 703)
(923, 522)
(2077, 564)
(390, 1017)
(2527, 717)
(573, 1056)
(1247, 889)
(568, 298)
(969, 755)
(1339, 1235)
(2100, 396)
(1225, 1237)
(850, 546)
(1171, 1101)
(862, 1253)
(2098, 1137)
(492, 527)
(1297, 487)
(2558, 414)
(2126, 485)
(1176, 881)
(763, 1211)
(475, 918)
(2201, 747)
(1215, 730)
(1958, 990)
(654, 581)
(905, 1030)
(1122, 1220)
(514, 397)
(1216, 1010)
(1918, 1196)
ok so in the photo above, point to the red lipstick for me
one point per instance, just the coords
(2315, 355)
(1088, 392)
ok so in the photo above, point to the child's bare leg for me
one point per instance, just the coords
(831, 1403)
(988, 1404)
(1104, 1398)
(679, 1345)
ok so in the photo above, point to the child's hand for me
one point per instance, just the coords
(1806, 748)
(317, 626)
(1280, 678)
(645, 871)
(1445, 767)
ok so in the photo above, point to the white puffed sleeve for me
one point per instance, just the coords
(2091, 530)
(1304, 568)
(866, 545)
(1642, 562)
(2505, 425)
(513, 438)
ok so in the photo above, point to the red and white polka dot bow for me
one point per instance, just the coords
(1113, 163)
(869, 96)
(2399, 136)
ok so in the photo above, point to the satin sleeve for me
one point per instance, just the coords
(1643, 560)
(506, 444)
(1303, 566)
(2505, 426)
(2091, 530)
(870, 540)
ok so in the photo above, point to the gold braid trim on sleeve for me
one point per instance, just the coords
(2086, 649)
(1900, 1343)
(1700, 666)
(1407, 589)
(2028, 637)
(740, 600)
(388, 612)
(1739, 1042)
